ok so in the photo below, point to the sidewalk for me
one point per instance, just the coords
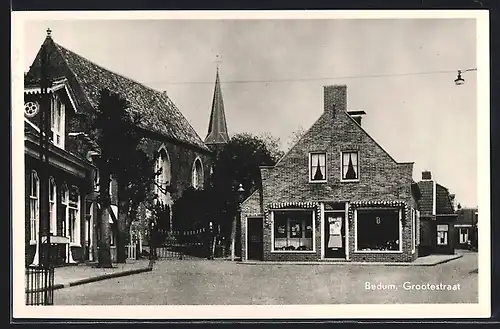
(74, 275)
(430, 260)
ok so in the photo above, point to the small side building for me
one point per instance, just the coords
(437, 217)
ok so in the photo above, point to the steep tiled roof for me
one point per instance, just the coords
(159, 113)
(444, 205)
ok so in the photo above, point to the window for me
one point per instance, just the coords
(317, 167)
(57, 122)
(197, 179)
(442, 234)
(34, 205)
(52, 205)
(378, 230)
(163, 175)
(74, 215)
(413, 231)
(293, 230)
(350, 166)
(63, 231)
(463, 235)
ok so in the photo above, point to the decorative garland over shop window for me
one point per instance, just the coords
(380, 203)
(284, 205)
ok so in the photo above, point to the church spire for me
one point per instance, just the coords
(217, 127)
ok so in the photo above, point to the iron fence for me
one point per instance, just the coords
(190, 244)
(39, 285)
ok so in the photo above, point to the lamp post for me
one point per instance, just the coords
(239, 192)
(459, 80)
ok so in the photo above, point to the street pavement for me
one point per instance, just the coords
(205, 282)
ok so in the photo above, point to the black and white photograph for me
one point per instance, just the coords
(251, 164)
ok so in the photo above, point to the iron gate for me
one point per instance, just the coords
(178, 245)
(39, 284)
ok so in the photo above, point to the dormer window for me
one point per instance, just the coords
(350, 166)
(317, 167)
(57, 123)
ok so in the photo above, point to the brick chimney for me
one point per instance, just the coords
(426, 175)
(335, 98)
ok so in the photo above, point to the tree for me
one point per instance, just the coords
(114, 129)
(237, 163)
(295, 137)
(273, 145)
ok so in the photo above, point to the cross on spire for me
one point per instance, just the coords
(217, 61)
(49, 32)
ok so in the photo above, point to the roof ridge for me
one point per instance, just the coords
(162, 96)
(106, 69)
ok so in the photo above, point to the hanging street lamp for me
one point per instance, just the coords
(459, 80)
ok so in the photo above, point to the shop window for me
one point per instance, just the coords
(293, 230)
(317, 167)
(378, 230)
(442, 234)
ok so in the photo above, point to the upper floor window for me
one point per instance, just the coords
(163, 175)
(197, 176)
(350, 166)
(317, 167)
(57, 125)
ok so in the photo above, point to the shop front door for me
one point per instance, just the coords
(335, 232)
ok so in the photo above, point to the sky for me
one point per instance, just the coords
(399, 71)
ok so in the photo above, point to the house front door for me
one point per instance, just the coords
(255, 246)
(335, 235)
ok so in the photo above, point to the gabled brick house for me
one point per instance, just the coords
(180, 153)
(336, 195)
(437, 217)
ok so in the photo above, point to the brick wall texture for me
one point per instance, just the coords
(380, 178)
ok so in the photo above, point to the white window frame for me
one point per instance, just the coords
(460, 235)
(53, 205)
(342, 179)
(399, 251)
(75, 228)
(271, 214)
(34, 207)
(413, 231)
(65, 203)
(445, 234)
(58, 135)
(162, 181)
(311, 180)
(194, 176)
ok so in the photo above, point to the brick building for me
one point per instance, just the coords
(180, 153)
(336, 195)
(437, 217)
(466, 228)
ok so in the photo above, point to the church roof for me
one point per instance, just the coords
(87, 80)
(217, 127)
